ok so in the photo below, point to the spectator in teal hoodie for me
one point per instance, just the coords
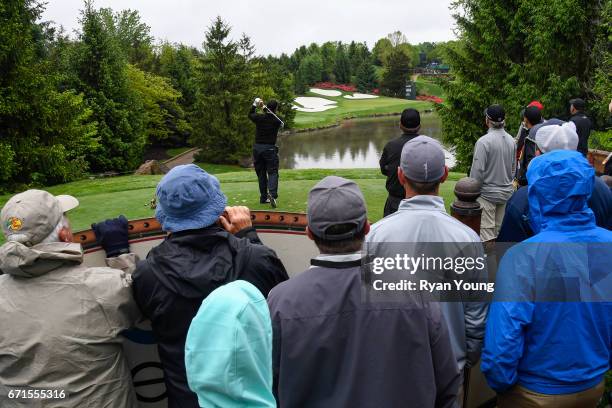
(228, 352)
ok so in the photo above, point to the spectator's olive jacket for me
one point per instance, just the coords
(59, 327)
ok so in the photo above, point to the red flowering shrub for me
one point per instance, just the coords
(430, 98)
(339, 87)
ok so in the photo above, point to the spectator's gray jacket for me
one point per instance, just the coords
(331, 348)
(59, 327)
(423, 219)
(494, 164)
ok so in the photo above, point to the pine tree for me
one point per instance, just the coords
(396, 73)
(101, 68)
(366, 77)
(225, 91)
(342, 68)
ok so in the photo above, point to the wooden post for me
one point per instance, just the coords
(465, 208)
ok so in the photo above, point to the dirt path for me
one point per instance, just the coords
(186, 157)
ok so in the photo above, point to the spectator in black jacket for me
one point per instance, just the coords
(532, 116)
(208, 246)
(410, 124)
(583, 124)
(265, 151)
(332, 347)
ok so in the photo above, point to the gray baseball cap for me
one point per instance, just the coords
(30, 217)
(333, 201)
(422, 160)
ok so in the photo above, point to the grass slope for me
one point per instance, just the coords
(130, 195)
(348, 108)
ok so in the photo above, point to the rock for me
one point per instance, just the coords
(246, 162)
(152, 167)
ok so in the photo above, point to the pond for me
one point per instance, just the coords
(357, 143)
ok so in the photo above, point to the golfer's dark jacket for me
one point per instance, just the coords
(333, 349)
(390, 161)
(177, 275)
(266, 125)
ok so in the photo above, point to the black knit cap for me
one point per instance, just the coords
(411, 119)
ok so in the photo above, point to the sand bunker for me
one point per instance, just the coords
(313, 104)
(325, 92)
(360, 96)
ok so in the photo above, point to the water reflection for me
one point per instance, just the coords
(355, 144)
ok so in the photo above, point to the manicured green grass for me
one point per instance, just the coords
(175, 151)
(130, 195)
(427, 87)
(221, 168)
(348, 108)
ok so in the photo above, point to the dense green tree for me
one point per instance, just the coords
(342, 67)
(164, 120)
(133, 36)
(514, 52)
(366, 79)
(281, 81)
(225, 91)
(101, 69)
(44, 133)
(397, 69)
(328, 58)
(381, 51)
(310, 69)
(179, 64)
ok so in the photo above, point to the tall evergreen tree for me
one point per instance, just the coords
(396, 73)
(342, 68)
(366, 77)
(514, 52)
(101, 68)
(44, 133)
(225, 90)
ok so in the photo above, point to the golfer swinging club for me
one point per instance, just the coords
(265, 151)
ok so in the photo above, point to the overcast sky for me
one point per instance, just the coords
(279, 26)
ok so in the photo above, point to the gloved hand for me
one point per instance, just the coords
(257, 101)
(112, 235)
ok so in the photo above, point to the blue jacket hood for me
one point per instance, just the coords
(228, 352)
(560, 184)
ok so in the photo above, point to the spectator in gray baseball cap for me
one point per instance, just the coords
(60, 319)
(421, 220)
(348, 351)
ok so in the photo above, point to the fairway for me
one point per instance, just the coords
(130, 195)
(348, 108)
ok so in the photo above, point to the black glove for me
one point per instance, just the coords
(112, 235)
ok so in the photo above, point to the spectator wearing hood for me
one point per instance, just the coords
(60, 320)
(410, 124)
(334, 348)
(422, 218)
(516, 225)
(583, 124)
(549, 332)
(208, 246)
(494, 165)
(228, 352)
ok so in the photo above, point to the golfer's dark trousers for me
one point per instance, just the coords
(266, 166)
(392, 204)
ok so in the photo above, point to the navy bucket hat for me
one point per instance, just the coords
(188, 198)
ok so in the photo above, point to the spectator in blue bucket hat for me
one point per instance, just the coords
(208, 245)
(189, 198)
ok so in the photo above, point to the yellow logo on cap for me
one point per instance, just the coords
(14, 224)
